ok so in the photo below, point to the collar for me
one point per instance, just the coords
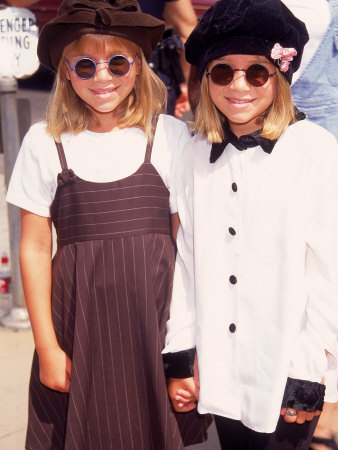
(241, 143)
(244, 142)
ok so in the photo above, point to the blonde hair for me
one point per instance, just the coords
(280, 114)
(67, 112)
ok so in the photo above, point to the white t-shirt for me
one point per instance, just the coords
(98, 157)
(316, 16)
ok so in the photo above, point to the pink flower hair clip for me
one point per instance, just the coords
(283, 56)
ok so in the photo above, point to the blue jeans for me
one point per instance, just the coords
(316, 90)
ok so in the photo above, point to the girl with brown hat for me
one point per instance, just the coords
(255, 286)
(101, 170)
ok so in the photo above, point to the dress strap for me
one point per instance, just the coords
(62, 156)
(150, 144)
(148, 151)
(66, 175)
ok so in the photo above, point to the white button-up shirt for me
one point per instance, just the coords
(255, 286)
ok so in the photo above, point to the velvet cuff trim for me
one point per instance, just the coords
(179, 364)
(303, 395)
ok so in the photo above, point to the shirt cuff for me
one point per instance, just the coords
(179, 364)
(303, 395)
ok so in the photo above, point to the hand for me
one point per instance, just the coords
(182, 103)
(55, 369)
(301, 416)
(183, 393)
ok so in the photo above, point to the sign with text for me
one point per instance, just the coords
(18, 42)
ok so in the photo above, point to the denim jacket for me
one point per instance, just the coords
(316, 90)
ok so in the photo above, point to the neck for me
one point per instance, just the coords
(103, 123)
(242, 129)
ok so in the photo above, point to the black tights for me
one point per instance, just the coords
(233, 435)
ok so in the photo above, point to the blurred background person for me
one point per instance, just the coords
(315, 85)
(19, 3)
(168, 59)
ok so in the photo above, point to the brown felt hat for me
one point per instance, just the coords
(122, 18)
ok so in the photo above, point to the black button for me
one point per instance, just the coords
(232, 328)
(232, 231)
(233, 279)
(234, 187)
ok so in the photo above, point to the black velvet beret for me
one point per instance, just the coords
(122, 18)
(246, 27)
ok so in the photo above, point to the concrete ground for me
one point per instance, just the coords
(16, 349)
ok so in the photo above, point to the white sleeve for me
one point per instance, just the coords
(33, 181)
(170, 139)
(181, 324)
(315, 354)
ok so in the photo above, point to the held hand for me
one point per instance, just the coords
(293, 416)
(55, 369)
(183, 394)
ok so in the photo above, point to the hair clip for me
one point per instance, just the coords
(283, 56)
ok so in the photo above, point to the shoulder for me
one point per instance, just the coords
(197, 149)
(310, 149)
(37, 138)
(39, 130)
(169, 124)
(310, 138)
(171, 136)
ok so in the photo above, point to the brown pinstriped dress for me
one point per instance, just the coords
(112, 280)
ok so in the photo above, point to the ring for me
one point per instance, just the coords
(291, 413)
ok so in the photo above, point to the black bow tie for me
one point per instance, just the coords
(246, 141)
(242, 143)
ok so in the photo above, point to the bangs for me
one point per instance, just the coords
(98, 43)
(68, 113)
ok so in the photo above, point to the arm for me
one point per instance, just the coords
(36, 271)
(314, 358)
(179, 353)
(180, 335)
(20, 3)
(175, 223)
(182, 16)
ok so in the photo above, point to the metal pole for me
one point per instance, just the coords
(18, 317)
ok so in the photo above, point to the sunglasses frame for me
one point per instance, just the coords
(101, 62)
(209, 74)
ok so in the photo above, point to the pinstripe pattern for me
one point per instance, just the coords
(112, 281)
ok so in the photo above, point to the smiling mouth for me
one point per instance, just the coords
(103, 91)
(238, 101)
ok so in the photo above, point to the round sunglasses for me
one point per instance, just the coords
(86, 68)
(222, 74)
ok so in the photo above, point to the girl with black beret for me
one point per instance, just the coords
(255, 287)
(100, 169)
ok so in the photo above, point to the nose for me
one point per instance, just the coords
(102, 71)
(239, 81)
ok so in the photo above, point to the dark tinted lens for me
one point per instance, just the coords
(85, 68)
(222, 74)
(118, 65)
(257, 75)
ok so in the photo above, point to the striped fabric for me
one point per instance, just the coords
(112, 281)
